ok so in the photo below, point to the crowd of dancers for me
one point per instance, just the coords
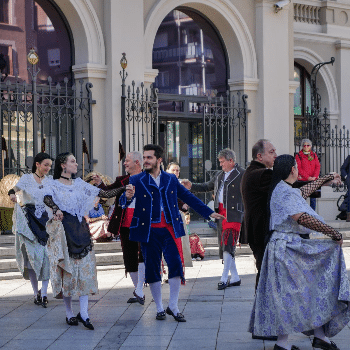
(301, 285)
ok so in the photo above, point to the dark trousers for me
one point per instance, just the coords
(161, 241)
(132, 255)
(258, 252)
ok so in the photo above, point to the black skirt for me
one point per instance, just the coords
(77, 235)
(37, 226)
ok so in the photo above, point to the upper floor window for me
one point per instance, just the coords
(189, 55)
(5, 16)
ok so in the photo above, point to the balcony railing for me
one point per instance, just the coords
(307, 13)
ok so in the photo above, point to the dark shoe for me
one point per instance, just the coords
(161, 316)
(178, 317)
(234, 284)
(44, 302)
(72, 321)
(277, 347)
(139, 299)
(86, 323)
(132, 300)
(223, 285)
(38, 300)
(321, 344)
(271, 337)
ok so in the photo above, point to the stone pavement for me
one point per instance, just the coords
(215, 319)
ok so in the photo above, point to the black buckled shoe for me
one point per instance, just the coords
(139, 299)
(178, 317)
(38, 300)
(223, 285)
(44, 302)
(132, 300)
(72, 321)
(161, 316)
(86, 323)
(235, 284)
(321, 344)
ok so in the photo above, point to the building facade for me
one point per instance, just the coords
(186, 48)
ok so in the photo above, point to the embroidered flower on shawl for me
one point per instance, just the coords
(309, 275)
(287, 301)
(322, 283)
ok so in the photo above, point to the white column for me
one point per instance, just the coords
(342, 64)
(124, 31)
(273, 52)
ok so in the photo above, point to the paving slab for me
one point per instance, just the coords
(216, 320)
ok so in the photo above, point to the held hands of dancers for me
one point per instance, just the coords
(217, 216)
(336, 181)
(130, 191)
(186, 183)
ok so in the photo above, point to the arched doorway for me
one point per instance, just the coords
(192, 63)
(39, 108)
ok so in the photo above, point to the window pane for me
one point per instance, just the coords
(189, 56)
(297, 95)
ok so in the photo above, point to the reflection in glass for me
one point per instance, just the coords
(189, 56)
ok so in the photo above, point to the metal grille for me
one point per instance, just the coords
(51, 118)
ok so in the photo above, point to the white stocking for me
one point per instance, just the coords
(84, 303)
(134, 278)
(140, 280)
(233, 270)
(44, 285)
(33, 281)
(227, 264)
(68, 304)
(319, 333)
(156, 290)
(282, 341)
(174, 284)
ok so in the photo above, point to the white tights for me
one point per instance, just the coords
(34, 283)
(229, 266)
(84, 303)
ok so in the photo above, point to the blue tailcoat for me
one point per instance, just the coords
(150, 198)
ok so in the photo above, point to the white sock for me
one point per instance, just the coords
(233, 270)
(84, 303)
(174, 284)
(68, 304)
(140, 280)
(156, 290)
(227, 263)
(282, 341)
(44, 285)
(319, 333)
(33, 281)
(134, 277)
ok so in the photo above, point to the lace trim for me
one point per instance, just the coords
(83, 253)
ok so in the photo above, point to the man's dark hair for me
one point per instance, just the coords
(158, 150)
(259, 147)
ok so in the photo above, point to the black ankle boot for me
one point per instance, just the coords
(38, 300)
(44, 302)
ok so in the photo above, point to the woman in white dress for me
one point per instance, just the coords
(29, 226)
(70, 248)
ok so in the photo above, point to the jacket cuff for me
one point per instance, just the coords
(124, 202)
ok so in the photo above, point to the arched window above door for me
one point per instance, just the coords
(189, 55)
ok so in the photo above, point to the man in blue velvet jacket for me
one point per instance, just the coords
(157, 221)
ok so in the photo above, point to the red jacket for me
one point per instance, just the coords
(307, 168)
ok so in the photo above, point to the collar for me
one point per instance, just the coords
(156, 178)
(229, 172)
(257, 164)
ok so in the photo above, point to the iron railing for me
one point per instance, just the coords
(52, 118)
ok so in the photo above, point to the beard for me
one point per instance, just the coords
(154, 166)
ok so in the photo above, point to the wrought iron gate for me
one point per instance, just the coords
(214, 123)
(52, 118)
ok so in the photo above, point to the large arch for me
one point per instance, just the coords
(307, 55)
(87, 34)
(229, 22)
